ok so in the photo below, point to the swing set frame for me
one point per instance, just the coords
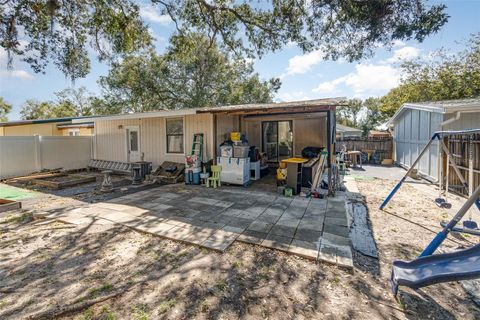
(473, 194)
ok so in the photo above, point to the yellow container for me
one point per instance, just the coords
(235, 136)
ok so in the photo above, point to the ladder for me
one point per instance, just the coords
(197, 145)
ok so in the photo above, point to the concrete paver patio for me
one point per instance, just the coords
(214, 218)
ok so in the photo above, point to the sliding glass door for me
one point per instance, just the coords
(277, 140)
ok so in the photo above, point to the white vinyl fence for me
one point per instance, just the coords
(24, 155)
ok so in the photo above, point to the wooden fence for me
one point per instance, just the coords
(465, 150)
(24, 155)
(373, 150)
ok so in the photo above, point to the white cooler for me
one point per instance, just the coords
(234, 170)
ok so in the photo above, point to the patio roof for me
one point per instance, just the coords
(279, 107)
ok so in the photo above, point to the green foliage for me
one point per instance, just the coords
(192, 73)
(342, 28)
(70, 102)
(373, 117)
(4, 109)
(349, 115)
(62, 32)
(445, 77)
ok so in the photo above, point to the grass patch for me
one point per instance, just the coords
(87, 315)
(236, 265)
(23, 218)
(204, 306)
(95, 292)
(107, 314)
(140, 312)
(222, 286)
(166, 305)
(3, 304)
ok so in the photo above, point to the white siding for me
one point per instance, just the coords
(111, 138)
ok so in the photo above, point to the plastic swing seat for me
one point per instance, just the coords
(442, 203)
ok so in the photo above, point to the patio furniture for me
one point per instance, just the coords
(215, 178)
(355, 158)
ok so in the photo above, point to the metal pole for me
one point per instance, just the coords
(329, 154)
(442, 235)
(399, 184)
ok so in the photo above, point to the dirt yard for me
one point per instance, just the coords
(53, 270)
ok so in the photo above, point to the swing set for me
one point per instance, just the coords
(430, 268)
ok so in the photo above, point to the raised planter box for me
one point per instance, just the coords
(61, 182)
(7, 205)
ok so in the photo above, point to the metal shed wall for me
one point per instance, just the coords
(412, 131)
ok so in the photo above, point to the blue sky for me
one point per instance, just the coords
(304, 76)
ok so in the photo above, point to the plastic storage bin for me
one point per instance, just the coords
(192, 176)
(226, 151)
(234, 170)
(235, 136)
(241, 151)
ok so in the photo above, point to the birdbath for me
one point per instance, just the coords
(107, 185)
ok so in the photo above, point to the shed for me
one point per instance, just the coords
(414, 124)
(347, 132)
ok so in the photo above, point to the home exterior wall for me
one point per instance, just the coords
(41, 129)
(412, 131)
(470, 120)
(308, 130)
(83, 131)
(110, 138)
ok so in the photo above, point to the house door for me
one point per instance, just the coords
(133, 144)
(277, 140)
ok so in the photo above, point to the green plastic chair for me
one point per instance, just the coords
(215, 178)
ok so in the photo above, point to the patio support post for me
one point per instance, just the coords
(329, 155)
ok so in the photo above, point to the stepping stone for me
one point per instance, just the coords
(260, 226)
(203, 200)
(336, 230)
(223, 204)
(253, 237)
(337, 221)
(268, 218)
(233, 229)
(343, 241)
(240, 222)
(285, 231)
(289, 222)
(274, 211)
(308, 235)
(311, 224)
(337, 254)
(304, 249)
(277, 242)
(232, 212)
(220, 240)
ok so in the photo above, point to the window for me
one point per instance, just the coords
(74, 132)
(174, 135)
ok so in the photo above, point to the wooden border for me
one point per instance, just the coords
(7, 205)
(64, 184)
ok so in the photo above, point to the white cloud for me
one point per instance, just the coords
(367, 80)
(398, 43)
(301, 64)
(151, 13)
(326, 87)
(19, 74)
(292, 96)
(404, 53)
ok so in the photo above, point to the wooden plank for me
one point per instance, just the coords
(7, 205)
(63, 184)
(50, 174)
